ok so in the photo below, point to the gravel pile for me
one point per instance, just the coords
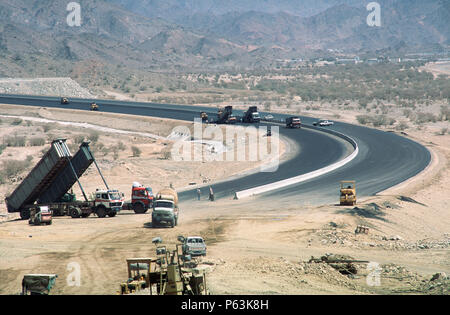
(44, 86)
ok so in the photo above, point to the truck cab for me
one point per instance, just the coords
(141, 198)
(40, 215)
(164, 210)
(293, 122)
(107, 202)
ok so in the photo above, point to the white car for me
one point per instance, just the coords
(323, 123)
(267, 117)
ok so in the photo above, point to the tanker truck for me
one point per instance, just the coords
(165, 208)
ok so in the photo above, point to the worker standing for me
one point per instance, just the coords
(211, 194)
(198, 193)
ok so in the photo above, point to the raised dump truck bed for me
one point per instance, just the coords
(40, 178)
(66, 178)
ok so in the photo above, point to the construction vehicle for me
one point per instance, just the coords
(225, 116)
(64, 100)
(38, 284)
(40, 215)
(347, 193)
(169, 273)
(251, 115)
(49, 181)
(293, 122)
(204, 116)
(141, 199)
(94, 106)
(165, 208)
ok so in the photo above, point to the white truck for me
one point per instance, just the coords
(165, 208)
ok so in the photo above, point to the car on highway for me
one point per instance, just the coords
(268, 117)
(323, 123)
(64, 100)
(194, 246)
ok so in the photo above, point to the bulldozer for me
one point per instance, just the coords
(347, 193)
(169, 273)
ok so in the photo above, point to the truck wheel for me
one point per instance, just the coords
(25, 214)
(111, 214)
(172, 223)
(75, 213)
(139, 208)
(101, 212)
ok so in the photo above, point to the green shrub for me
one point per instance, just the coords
(136, 151)
(35, 142)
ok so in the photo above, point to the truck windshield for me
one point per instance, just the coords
(114, 196)
(163, 204)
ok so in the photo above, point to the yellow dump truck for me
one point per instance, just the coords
(347, 193)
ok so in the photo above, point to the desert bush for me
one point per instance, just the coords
(136, 151)
(445, 113)
(14, 141)
(35, 142)
(11, 168)
(79, 139)
(363, 119)
(425, 117)
(16, 122)
(47, 127)
(402, 126)
(93, 136)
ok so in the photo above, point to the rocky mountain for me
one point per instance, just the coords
(205, 34)
(320, 24)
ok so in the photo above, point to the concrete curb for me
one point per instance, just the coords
(304, 177)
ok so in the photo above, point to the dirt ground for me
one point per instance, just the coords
(254, 247)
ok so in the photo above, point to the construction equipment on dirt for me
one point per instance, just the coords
(141, 199)
(204, 116)
(40, 215)
(344, 264)
(169, 273)
(251, 115)
(165, 208)
(49, 181)
(38, 284)
(348, 193)
(94, 106)
(293, 122)
(64, 100)
(361, 229)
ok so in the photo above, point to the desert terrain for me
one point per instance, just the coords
(253, 247)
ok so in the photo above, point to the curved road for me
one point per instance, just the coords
(385, 159)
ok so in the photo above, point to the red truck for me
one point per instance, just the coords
(141, 199)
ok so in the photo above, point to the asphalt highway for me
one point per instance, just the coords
(384, 160)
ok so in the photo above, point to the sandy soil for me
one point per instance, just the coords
(256, 248)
